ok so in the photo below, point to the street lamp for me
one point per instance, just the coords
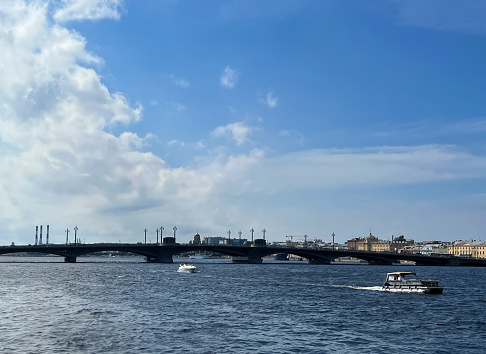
(75, 234)
(145, 232)
(239, 233)
(229, 237)
(175, 229)
(264, 231)
(252, 231)
(67, 236)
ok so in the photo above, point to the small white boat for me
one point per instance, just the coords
(186, 268)
(200, 256)
(406, 282)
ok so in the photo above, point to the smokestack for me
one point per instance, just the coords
(47, 236)
(40, 236)
(36, 231)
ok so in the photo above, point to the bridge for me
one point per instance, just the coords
(163, 253)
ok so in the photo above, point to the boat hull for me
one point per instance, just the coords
(417, 290)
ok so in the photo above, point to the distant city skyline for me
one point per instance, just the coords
(293, 116)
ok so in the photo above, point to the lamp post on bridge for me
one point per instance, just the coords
(229, 237)
(333, 241)
(239, 233)
(145, 232)
(252, 231)
(264, 231)
(175, 229)
(157, 236)
(161, 239)
(75, 234)
(67, 236)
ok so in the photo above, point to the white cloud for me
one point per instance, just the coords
(176, 142)
(452, 15)
(238, 131)
(369, 166)
(180, 81)
(229, 77)
(271, 100)
(58, 162)
(295, 135)
(173, 107)
(88, 10)
(466, 126)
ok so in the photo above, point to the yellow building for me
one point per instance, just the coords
(372, 243)
(475, 249)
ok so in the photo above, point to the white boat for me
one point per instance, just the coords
(200, 256)
(186, 268)
(407, 282)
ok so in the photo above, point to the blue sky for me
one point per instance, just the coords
(300, 117)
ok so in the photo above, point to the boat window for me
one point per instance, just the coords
(408, 277)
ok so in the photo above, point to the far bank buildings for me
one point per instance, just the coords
(475, 249)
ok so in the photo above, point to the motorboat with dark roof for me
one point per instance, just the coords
(407, 282)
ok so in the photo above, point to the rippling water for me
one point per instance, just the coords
(127, 306)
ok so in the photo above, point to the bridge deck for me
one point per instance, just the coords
(163, 253)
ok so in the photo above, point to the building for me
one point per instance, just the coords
(372, 243)
(217, 240)
(475, 249)
(197, 239)
(436, 248)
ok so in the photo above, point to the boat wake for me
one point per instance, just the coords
(369, 288)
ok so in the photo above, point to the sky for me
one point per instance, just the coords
(299, 117)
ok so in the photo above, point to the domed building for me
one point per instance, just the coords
(197, 239)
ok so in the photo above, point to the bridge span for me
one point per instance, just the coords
(163, 253)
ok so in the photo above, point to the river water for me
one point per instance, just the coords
(123, 305)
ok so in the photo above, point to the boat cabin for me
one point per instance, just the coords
(397, 278)
(401, 276)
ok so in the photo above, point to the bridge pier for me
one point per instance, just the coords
(70, 259)
(163, 256)
(246, 260)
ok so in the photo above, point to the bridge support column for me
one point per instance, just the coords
(70, 259)
(163, 256)
(246, 260)
(254, 256)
